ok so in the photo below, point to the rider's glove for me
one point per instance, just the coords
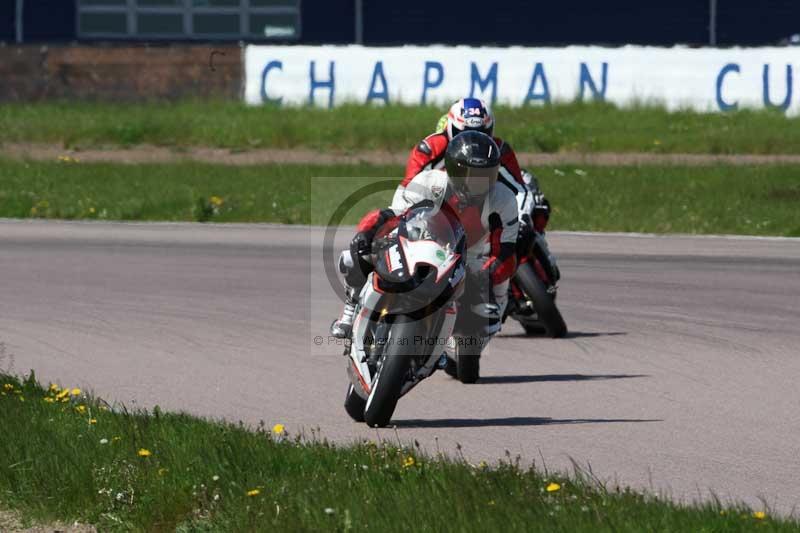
(372, 223)
(361, 244)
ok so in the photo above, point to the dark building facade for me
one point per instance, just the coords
(7, 30)
(510, 22)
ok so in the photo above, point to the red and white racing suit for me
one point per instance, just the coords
(491, 229)
(429, 154)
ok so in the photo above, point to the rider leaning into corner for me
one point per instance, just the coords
(487, 210)
(472, 114)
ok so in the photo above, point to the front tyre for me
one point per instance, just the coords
(354, 404)
(395, 363)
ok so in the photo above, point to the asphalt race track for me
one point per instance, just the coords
(680, 372)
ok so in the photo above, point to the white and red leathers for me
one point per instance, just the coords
(491, 228)
(429, 154)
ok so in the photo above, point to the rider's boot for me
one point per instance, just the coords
(343, 326)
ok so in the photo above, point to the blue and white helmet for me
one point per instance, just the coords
(469, 114)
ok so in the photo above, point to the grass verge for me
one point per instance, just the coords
(577, 127)
(70, 457)
(755, 200)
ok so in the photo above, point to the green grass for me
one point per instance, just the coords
(756, 200)
(71, 458)
(715, 200)
(571, 127)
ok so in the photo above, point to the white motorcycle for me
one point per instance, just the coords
(407, 311)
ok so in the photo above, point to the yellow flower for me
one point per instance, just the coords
(91, 210)
(49, 400)
(92, 421)
(75, 392)
(54, 387)
(759, 515)
(81, 409)
(278, 429)
(409, 462)
(8, 386)
(552, 487)
(143, 452)
(62, 395)
(253, 492)
(216, 201)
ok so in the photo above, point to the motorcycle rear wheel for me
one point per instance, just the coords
(468, 363)
(534, 329)
(466, 367)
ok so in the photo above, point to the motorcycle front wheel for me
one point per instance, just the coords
(395, 363)
(354, 404)
(544, 303)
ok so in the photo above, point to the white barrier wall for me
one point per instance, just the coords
(702, 79)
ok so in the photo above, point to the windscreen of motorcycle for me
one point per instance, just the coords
(432, 223)
(427, 234)
(422, 264)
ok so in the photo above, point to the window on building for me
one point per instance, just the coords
(248, 20)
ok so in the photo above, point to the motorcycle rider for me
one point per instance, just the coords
(534, 206)
(486, 209)
(468, 114)
(472, 114)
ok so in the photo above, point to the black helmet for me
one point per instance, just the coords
(472, 160)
